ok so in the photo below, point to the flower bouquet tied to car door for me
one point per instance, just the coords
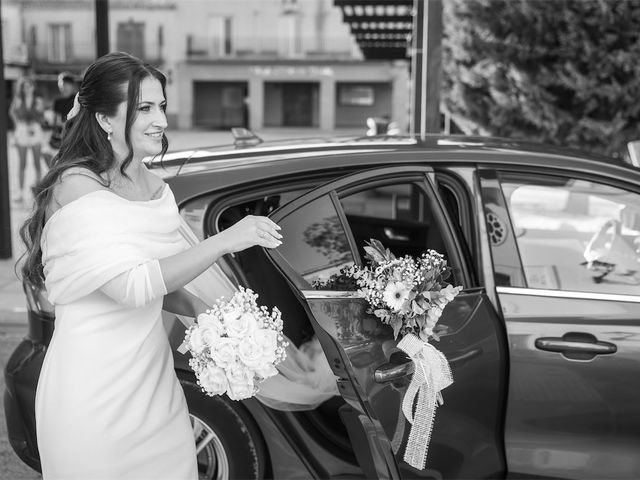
(410, 294)
(235, 345)
(407, 293)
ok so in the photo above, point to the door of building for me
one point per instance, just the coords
(297, 104)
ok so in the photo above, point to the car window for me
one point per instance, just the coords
(316, 245)
(389, 201)
(315, 242)
(399, 215)
(262, 205)
(575, 234)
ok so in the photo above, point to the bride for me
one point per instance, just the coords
(104, 241)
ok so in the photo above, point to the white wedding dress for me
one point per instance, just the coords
(108, 402)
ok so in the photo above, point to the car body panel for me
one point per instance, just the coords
(570, 417)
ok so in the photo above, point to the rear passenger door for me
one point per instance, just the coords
(325, 230)
(566, 251)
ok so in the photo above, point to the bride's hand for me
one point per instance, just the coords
(250, 231)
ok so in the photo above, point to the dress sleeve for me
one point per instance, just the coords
(137, 286)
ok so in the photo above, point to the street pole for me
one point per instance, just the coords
(102, 27)
(426, 68)
(5, 197)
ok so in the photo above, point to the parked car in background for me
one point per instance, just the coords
(543, 342)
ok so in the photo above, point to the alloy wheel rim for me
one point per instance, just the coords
(212, 457)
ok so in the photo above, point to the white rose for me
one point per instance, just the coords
(240, 391)
(195, 342)
(239, 325)
(250, 353)
(211, 329)
(265, 371)
(224, 351)
(238, 373)
(213, 380)
(267, 340)
(229, 315)
(209, 320)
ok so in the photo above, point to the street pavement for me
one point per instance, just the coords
(12, 300)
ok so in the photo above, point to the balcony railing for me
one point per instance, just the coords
(42, 53)
(207, 48)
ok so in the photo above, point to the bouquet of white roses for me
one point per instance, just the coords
(407, 293)
(235, 345)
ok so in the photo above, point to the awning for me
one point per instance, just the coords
(382, 28)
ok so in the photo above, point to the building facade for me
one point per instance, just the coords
(229, 63)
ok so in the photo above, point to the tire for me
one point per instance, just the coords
(230, 444)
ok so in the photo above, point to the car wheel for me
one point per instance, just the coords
(228, 443)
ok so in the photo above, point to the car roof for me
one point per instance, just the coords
(218, 166)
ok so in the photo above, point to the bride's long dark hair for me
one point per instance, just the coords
(112, 79)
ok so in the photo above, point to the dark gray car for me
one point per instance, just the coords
(544, 340)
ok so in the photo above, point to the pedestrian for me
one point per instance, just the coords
(103, 239)
(26, 110)
(62, 104)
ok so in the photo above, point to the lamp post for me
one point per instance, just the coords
(426, 68)
(5, 205)
(102, 27)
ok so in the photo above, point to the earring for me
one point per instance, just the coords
(109, 135)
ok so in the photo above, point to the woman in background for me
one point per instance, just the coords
(26, 111)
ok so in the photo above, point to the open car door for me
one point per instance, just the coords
(325, 230)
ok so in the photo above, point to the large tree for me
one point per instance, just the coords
(565, 72)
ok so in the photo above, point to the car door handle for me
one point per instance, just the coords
(576, 343)
(391, 235)
(400, 365)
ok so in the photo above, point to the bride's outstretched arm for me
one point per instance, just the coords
(184, 303)
(180, 269)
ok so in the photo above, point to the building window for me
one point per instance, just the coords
(289, 37)
(220, 36)
(59, 48)
(356, 95)
(130, 38)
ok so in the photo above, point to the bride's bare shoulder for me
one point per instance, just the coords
(73, 184)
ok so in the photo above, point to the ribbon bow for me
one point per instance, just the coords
(432, 374)
(75, 109)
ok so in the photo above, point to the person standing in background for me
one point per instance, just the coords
(68, 88)
(27, 109)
